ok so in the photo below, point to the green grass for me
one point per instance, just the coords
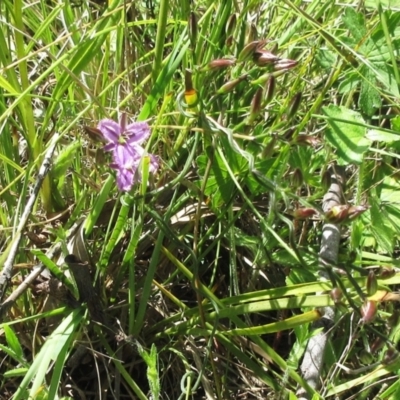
(208, 279)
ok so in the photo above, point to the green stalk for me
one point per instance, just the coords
(25, 107)
(160, 39)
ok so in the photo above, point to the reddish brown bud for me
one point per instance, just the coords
(303, 213)
(284, 64)
(355, 211)
(230, 85)
(372, 283)
(368, 311)
(219, 63)
(264, 57)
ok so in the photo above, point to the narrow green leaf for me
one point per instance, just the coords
(50, 351)
(14, 343)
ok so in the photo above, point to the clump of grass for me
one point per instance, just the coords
(204, 279)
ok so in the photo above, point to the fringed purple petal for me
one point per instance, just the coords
(125, 156)
(137, 132)
(125, 179)
(110, 130)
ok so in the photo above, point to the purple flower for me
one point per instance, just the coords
(124, 141)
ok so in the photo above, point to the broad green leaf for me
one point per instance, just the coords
(346, 134)
(219, 185)
(380, 228)
(370, 99)
(386, 76)
(390, 191)
(377, 135)
(355, 23)
(386, 4)
(349, 83)
(396, 123)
